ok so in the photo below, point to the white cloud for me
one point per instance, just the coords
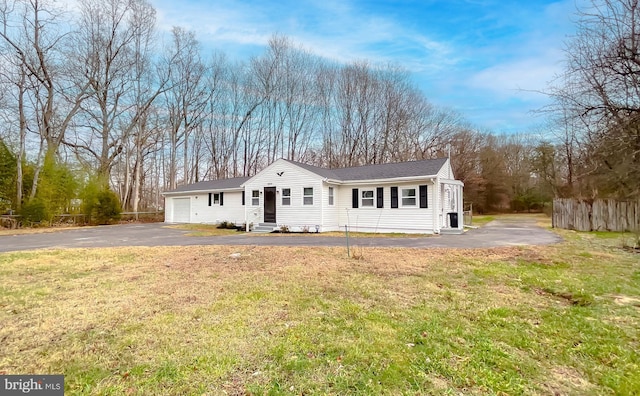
(522, 78)
(489, 79)
(332, 29)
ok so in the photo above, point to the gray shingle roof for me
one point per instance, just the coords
(379, 171)
(428, 167)
(220, 184)
(324, 172)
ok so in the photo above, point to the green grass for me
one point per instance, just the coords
(481, 220)
(609, 234)
(540, 219)
(560, 319)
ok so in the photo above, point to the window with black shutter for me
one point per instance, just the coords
(354, 198)
(368, 200)
(380, 197)
(221, 198)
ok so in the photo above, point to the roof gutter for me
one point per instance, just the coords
(393, 180)
(453, 182)
(187, 192)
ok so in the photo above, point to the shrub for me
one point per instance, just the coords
(101, 205)
(108, 207)
(229, 225)
(35, 211)
(57, 185)
(7, 176)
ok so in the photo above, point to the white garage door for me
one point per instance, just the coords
(181, 210)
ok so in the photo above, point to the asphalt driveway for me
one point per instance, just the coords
(504, 232)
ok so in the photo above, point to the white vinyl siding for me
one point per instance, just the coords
(284, 175)
(408, 219)
(231, 209)
(446, 172)
(331, 207)
(196, 209)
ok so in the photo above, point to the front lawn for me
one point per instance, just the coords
(204, 230)
(212, 320)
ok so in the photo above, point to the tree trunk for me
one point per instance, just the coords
(23, 137)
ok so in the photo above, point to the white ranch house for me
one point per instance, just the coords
(408, 197)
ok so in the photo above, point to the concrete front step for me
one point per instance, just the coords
(264, 228)
(451, 231)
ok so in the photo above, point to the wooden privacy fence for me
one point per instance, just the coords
(596, 215)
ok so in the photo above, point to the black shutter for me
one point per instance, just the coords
(394, 197)
(209, 199)
(354, 198)
(243, 197)
(221, 198)
(423, 196)
(380, 197)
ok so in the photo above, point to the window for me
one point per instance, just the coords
(216, 199)
(408, 197)
(286, 196)
(330, 196)
(255, 197)
(307, 196)
(367, 198)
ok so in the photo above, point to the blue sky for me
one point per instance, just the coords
(482, 58)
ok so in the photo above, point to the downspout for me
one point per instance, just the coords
(322, 201)
(436, 210)
(246, 217)
(460, 208)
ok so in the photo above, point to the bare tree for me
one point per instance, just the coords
(32, 33)
(600, 92)
(14, 79)
(224, 81)
(112, 34)
(185, 100)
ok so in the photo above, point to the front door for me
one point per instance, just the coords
(269, 204)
